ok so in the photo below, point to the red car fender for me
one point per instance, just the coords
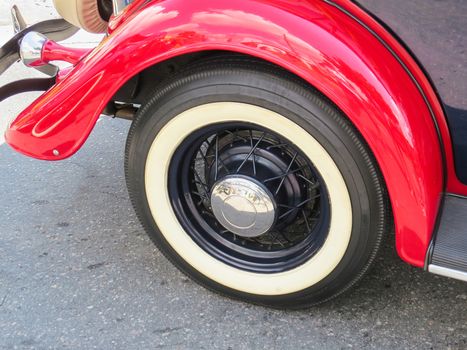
(317, 41)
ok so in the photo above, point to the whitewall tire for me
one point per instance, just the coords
(329, 207)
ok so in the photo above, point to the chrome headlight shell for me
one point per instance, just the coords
(119, 5)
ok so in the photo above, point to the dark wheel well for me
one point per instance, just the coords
(137, 89)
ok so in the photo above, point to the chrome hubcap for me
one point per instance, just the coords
(243, 206)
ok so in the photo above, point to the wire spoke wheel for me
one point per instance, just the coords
(299, 213)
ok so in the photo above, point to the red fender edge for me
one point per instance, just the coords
(333, 45)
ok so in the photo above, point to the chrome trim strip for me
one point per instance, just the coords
(444, 271)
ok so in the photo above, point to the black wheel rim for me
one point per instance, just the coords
(220, 150)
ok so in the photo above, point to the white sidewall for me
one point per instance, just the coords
(156, 182)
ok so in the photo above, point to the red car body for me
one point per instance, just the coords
(335, 46)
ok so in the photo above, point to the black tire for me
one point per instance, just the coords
(352, 233)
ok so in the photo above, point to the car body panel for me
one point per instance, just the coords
(333, 45)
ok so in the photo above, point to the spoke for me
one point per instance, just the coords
(223, 166)
(217, 158)
(201, 195)
(235, 135)
(254, 158)
(199, 183)
(298, 206)
(203, 185)
(274, 238)
(258, 241)
(251, 152)
(284, 235)
(288, 169)
(306, 220)
(276, 146)
(314, 185)
(204, 156)
(283, 175)
(287, 213)
(285, 206)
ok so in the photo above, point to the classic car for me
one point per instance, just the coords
(274, 143)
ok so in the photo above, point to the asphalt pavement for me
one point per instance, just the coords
(78, 272)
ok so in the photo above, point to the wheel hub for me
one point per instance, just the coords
(243, 206)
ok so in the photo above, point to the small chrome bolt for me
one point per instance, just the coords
(56, 153)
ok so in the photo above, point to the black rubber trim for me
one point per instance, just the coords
(417, 84)
(26, 85)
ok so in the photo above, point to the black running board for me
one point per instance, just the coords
(449, 252)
